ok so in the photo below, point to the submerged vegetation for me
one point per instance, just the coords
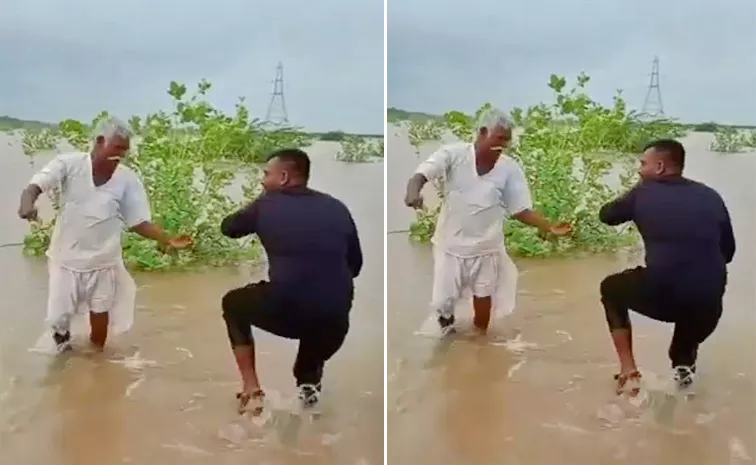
(569, 149)
(732, 140)
(356, 149)
(187, 158)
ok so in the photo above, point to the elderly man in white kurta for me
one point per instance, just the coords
(98, 197)
(481, 186)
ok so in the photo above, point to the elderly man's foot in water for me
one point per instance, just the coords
(62, 341)
(98, 334)
(482, 316)
(446, 323)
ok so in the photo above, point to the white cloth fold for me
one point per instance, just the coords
(68, 287)
(504, 301)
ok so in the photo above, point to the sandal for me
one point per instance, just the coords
(629, 383)
(246, 397)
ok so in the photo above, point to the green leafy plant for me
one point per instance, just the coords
(187, 159)
(356, 149)
(568, 149)
(38, 141)
(420, 132)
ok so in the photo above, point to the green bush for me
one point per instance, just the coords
(567, 148)
(423, 131)
(187, 160)
(731, 140)
(39, 141)
(357, 149)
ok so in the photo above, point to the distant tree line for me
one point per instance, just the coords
(338, 136)
(714, 127)
(394, 115)
(8, 123)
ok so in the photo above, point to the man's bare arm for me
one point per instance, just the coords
(29, 196)
(152, 231)
(416, 183)
(535, 219)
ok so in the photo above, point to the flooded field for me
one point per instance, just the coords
(540, 392)
(164, 394)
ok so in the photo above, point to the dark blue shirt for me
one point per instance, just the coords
(312, 246)
(687, 234)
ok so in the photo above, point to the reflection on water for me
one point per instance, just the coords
(165, 392)
(540, 390)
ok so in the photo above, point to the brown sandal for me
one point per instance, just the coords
(246, 397)
(629, 383)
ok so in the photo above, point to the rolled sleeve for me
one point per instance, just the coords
(516, 196)
(135, 206)
(436, 165)
(51, 176)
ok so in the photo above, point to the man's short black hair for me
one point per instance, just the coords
(671, 149)
(297, 160)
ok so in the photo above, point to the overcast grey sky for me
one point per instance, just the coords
(74, 58)
(449, 54)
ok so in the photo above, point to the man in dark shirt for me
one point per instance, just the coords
(314, 255)
(689, 241)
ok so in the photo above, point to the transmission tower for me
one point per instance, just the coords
(277, 107)
(653, 105)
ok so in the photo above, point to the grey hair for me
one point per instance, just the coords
(112, 127)
(492, 118)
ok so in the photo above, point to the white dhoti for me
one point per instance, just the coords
(454, 278)
(73, 294)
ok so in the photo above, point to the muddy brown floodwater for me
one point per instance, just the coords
(164, 394)
(548, 400)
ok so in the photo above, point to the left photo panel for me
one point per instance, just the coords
(193, 233)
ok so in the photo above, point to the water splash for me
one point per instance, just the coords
(185, 351)
(738, 450)
(566, 427)
(281, 422)
(188, 450)
(610, 414)
(516, 345)
(135, 384)
(135, 362)
(514, 368)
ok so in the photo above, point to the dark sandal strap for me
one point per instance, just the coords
(622, 381)
(246, 397)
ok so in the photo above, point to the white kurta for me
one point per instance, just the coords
(87, 272)
(469, 250)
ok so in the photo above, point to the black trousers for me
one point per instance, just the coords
(695, 319)
(319, 337)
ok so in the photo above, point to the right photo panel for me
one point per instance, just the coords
(570, 195)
